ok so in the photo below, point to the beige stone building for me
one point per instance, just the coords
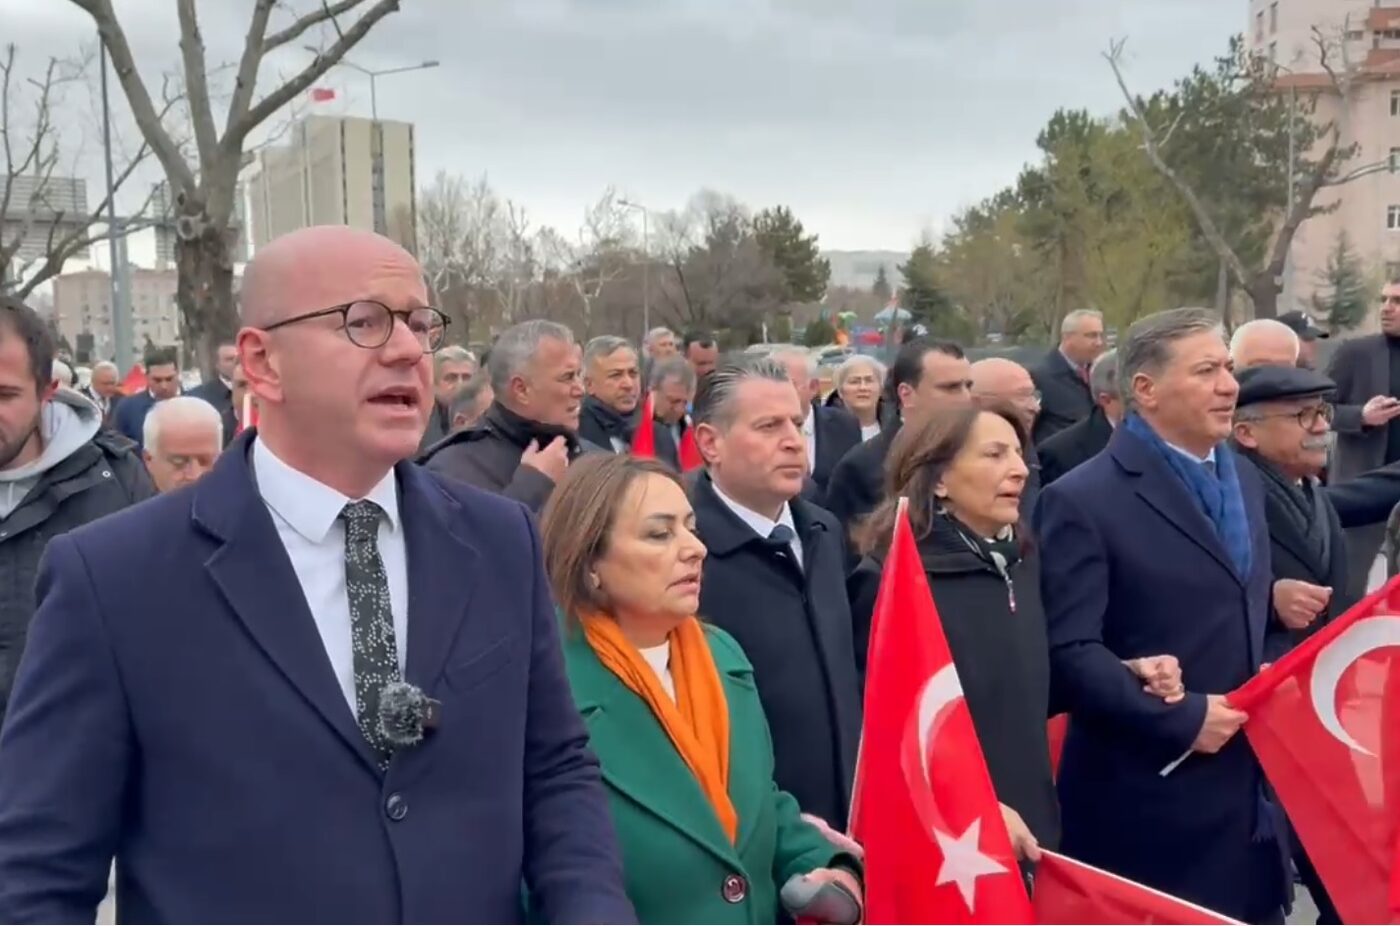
(336, 170)
(1362, 39)
(82, 305)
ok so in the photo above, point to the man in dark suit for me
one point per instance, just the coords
(775, 578)
(829, 433)
(162, 382)
(1084, 440)
(613, 383)
(1161, 545)
(925, 375)
(218, 392)
(322, 684)
(1063, 376)
(1367, 373)
(672, 386)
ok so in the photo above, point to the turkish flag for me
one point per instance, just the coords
(689, 452)
(1055, 729)
(135, 380)
(644, 439)
(936, 850)
(322, 94)
(1071, 892)
(1325, 723)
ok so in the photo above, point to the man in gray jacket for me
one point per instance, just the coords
(59, 469)
(524, 442)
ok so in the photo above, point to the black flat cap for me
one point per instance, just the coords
(1303, 325)
(1273, 384)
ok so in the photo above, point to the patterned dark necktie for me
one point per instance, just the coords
(376, 657)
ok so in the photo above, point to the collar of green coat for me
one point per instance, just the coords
(640, 761)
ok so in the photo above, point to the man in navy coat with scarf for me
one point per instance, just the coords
(320, 685)
(1160, 545)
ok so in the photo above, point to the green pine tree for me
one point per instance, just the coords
(1342, 292)
(921, 296)
(781, 237)
(819, 333)
(882, 289)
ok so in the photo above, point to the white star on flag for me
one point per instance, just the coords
(964, 863)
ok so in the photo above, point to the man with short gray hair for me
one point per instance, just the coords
(1160, 545)
(1063, 376)
(1083, 441)
(775, 577)
(523, 443)
(660, 343)
(612, 380)
(453, 367)
(672, 386)
(182, 438)
(104, 388)
(1263, 342)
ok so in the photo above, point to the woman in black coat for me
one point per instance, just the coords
(963, 472)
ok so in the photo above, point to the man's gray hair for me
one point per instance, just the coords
(453, 353)
(784, 354)
(1265, 327)
(852, 363)
(517, 346)
(604, 345)
(107, 365)
(1103, 375)
(714, 403)
(1070, 323)
(656, 334)
(1147, 348)
(672, 368)
(182, 409)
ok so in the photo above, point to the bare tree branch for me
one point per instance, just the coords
(246, 82)
(327, 13)
(1151, 147)
(197, 81)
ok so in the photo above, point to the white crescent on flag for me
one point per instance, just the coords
(1363, 637)
(943, 688)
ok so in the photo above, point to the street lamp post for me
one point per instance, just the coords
(373, 75)
(646, 266)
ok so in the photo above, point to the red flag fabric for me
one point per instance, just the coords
(644, 440)
(1055, 729)
(689, 452)
(1071, 892)
(135, 380)
(1325, 723)
(936, 850)
(322, 94)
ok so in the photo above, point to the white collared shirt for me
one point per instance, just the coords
(761, 525)
(1208, 458)
(307, 516)
(868, 431)
(809, 433)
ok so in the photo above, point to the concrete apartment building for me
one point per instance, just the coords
(1363, 39)
(82, 306)
(38, 203)
(336, 170)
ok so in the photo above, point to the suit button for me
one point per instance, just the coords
(735, 889)
(396, 808)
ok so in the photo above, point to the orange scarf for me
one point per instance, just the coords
(697, 721)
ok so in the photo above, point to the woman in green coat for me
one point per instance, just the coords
(672, 710)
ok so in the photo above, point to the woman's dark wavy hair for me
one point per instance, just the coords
(918, 458)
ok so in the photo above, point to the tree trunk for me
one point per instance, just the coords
(208, 315)
(1264, 292)
(1222, 296)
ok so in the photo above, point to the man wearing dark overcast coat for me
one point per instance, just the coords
(1160, 545)
(1063, 375)
(775, 577)
(225, 687)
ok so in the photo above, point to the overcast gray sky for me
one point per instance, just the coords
(873, 120)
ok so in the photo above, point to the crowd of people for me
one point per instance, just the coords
(370, 628)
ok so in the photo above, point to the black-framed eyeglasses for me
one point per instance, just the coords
(370, 324)
(1307, 418)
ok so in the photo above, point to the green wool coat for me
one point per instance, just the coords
(678, 863)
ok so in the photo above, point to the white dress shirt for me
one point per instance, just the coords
(307, 516)
(761, 525)
(868, 431)
(659, 658)
(809, 434)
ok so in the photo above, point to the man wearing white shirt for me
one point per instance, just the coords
(322, 684)
(775, 576)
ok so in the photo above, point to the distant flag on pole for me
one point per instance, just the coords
(322, 94)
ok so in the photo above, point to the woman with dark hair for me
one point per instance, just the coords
(963, 472)
(671, 708)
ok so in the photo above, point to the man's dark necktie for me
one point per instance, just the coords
(376, 658)
(1210, 468)
(779, 540)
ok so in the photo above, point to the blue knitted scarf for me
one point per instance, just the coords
(1218, 497)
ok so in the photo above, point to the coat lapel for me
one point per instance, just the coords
(637, 757)
(435, 534)
(1164, 492)
(255, 576)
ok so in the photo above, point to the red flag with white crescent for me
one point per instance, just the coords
(1325, 723)
(936, 850)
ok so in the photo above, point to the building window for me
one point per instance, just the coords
(1259, 26)
(1273, 17)
(1273, 52)
(1394, 159)
(1395, 102)
(1392, 218)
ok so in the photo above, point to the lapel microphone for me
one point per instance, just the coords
(406, 714)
